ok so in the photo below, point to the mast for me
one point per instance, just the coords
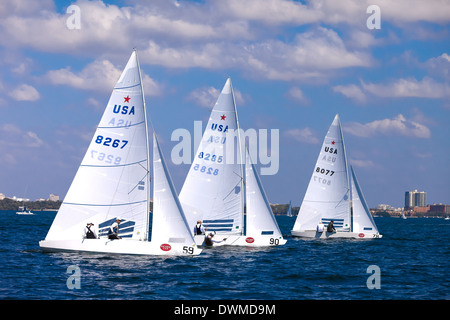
(346, 176)
(241, 166)
(148, 155)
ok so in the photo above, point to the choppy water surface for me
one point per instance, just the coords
(413, 258)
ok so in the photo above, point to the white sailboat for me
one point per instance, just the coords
(213, 191)
(333, 194)
(289, 211)
(24, 211)
(112, 183)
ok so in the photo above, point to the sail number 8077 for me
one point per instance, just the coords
(324, 171)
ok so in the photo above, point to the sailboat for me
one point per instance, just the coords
(112, 183)
(289, 211)
(213, 191)
(24, 211)
(334, 194)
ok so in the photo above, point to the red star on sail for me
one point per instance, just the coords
(332, 142)
(127, 99)
(222, 117)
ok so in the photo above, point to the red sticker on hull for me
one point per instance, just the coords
(249, 240)
(165, 247)
(361, 235)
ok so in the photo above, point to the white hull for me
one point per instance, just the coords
(243, 241)
(119, 247)
(338, 234)
(27, 213)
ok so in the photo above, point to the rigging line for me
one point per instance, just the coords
(146, 174)
(229, 193)
(348, 190)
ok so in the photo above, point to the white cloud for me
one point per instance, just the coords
(100, 75)
(399, 125)
(25, 92)
(207, 97)
(13, 136)
(216, 35)
(204, 97)
(439, 66)
(362, 163)
(297, 95)
(351, 91)
(398, 88)
(410, 87)
(408, 11)
(302, 135)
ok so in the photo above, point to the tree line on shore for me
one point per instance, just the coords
(10, 204)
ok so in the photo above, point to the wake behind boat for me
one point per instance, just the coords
(333, 196)
(214, 188)
(112, 185)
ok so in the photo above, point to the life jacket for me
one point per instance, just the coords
(330, 228)
(90, 234)
(208, 241)
(198, 229)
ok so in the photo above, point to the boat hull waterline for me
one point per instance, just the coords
(334, 235)
(119, 247)
(242, 241)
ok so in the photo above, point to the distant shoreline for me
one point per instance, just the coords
(278, 209)
(46, 205)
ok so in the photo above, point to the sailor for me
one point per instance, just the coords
(209, 241)
(199, 228)
(88, 233)
(320, 227)
(113, 232)
(330, 227)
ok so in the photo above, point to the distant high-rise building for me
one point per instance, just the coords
(415, 199)
(53, 197)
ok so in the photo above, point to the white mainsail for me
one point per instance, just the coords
(169, 223)
(362, 219)
(328, 194)
(112, 180)
(213, 189)
(260, 220)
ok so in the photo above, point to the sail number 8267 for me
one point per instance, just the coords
(109, 142)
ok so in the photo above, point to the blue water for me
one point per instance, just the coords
(413, 257)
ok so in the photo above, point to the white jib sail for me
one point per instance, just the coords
(328, 194)
(213, 190)
(260, 219)
(112, 180)
(362, 219)
(169, 223)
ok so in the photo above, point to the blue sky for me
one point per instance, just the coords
(293, 65)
